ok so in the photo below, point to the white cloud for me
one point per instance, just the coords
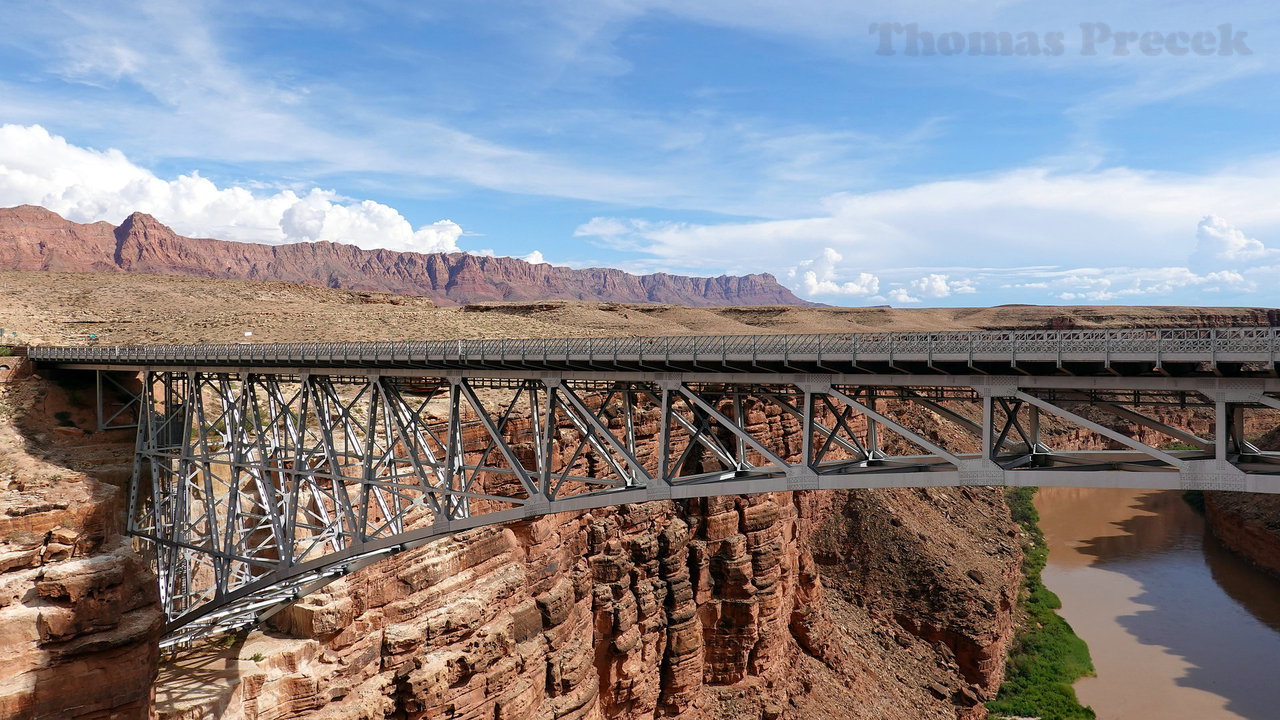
(1127, 219)
(187, 93)
(1066, 218)
(1221, 244)
(316, 217)
(932, 286)
(818, 277)
(901, 296)
(939, 285)
(1107, 284)
(442, 235)
(88, 185)
(534, 258)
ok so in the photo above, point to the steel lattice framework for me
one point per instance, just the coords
(265, 472)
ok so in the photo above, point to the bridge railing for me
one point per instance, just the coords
(1205, 342)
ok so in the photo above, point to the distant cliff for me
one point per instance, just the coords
(33, 238)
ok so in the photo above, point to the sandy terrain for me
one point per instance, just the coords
(125, 309)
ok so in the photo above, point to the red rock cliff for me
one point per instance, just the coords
(79, 611)
(32, 238)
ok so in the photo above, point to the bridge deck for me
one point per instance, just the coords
(1223, 351)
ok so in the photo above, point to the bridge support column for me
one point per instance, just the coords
(873, 429)
(1229, 417)
(1221, 429)
(117, 399)
(988, 426)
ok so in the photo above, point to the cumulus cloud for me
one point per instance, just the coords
(932, 286)
(902, 297)
(821, 276)
(938, 285)
(320, 216)
(1221, 244)
(818, 277)
(534, 257)
(87, 185)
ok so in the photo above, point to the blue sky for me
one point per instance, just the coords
(722, 136)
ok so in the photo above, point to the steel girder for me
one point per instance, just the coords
(257, 488)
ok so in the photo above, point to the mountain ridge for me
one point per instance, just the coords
(35, 238)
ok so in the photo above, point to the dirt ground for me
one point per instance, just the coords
(66, 308)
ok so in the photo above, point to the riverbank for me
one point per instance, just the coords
(1047, 657)
(1248, 524)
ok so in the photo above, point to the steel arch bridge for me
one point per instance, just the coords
(264, 472)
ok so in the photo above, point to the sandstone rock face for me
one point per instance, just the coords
(32, 238)
(79, 613)
(704, 609)
(38, 239)
(1248, 524)
(708, 608)
(940, 561)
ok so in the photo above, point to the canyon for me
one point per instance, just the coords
(858, 604)
(33, 238)
(863, 604)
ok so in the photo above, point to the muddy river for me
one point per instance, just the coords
(1179, 627)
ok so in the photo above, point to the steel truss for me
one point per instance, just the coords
(256, 488)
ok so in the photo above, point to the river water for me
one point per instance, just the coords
(1179, 627)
